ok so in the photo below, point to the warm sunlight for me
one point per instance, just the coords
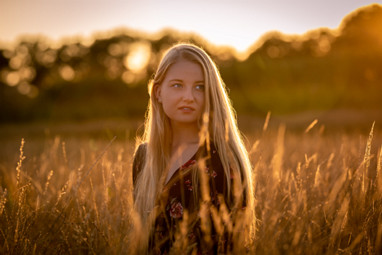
(285, 130)
(138, 57)
(236, 23)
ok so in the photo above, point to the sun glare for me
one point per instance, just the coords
(138, 57)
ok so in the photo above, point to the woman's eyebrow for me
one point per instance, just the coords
(180, 80)
(175, 80)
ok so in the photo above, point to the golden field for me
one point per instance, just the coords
(317, 191)
(65, 188)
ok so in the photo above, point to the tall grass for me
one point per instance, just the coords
(316, 193)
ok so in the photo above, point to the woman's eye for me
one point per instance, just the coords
(200, 87)
(176, 85)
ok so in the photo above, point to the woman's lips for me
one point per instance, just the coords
(186, 109)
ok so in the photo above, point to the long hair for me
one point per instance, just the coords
(218, 124)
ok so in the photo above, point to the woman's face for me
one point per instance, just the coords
(182, 92)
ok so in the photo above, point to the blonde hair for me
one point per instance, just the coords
(218, 125)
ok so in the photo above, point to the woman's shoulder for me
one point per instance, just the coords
(139, 158)
(140, 149)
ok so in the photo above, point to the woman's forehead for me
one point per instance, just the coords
(185, 69)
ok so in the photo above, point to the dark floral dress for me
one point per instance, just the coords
(179, 225)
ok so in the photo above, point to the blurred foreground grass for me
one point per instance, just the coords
(317, 191)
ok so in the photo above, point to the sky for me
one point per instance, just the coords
(237, 23)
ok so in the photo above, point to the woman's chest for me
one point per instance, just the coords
(179, 195)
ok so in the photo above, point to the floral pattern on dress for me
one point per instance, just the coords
(175, 209)
(215, 198)
(188, 164)
(189, 185)
(210, 173)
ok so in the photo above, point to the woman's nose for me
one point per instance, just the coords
(188, 94)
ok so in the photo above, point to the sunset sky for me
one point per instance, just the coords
(238, 23)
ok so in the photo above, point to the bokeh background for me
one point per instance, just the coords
(83, 63)
(305, 79)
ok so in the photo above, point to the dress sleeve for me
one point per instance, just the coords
(139, 159)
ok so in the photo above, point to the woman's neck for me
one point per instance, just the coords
(184, 134)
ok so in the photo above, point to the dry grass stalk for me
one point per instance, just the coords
(277, 161)
(308, 200)
(20, 162)
(266, 122)
(366, 159)
(379, 174)
(311, 125)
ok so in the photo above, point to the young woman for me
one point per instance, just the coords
(193, 187)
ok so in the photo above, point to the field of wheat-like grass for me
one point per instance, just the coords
(316, 193)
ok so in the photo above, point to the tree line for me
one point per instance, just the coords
(106, 76)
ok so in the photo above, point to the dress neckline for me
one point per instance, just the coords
(188, 163)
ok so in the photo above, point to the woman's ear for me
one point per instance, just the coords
(157, 93)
